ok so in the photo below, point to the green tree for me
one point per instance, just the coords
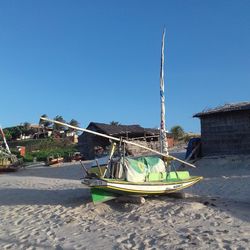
(177, 132)
(15, 132)
(7, 134)
(26, 129)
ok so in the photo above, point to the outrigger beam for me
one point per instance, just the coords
(170, 157)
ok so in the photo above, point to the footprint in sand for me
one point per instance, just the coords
(41, 240)
(222, 231)
(121, 239)
(245, 240)
(24, 237)
(18, 222)
(60, 239)
(51, 234)
(34, 233)
(8, 246)
(227, 242)
(58, 247)
(206, 235)
(215, 224)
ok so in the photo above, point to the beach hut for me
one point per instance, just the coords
(225, 130)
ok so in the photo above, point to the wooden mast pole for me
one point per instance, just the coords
(163, 137)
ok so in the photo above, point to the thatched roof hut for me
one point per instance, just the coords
(122, 130)
(225, 130)
(242, 106)
(91, 145)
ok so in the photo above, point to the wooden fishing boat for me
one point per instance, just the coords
(155, 183)
(150, 175)
(54, 160)
(106, 189)
(110, 177)
(8, 161)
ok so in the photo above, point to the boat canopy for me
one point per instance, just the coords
(138, 169)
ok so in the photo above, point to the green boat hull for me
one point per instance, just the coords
(107, 189)
(100, 195)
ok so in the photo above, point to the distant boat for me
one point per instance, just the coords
(53, 160)
(8, 161)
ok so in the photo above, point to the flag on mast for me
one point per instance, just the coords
(163, 137)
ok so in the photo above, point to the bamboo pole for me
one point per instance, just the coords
(192, 153)
(170, 157)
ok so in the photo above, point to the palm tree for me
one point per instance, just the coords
(114, 123)
(43, 123)
(74, 123)
(58, 127)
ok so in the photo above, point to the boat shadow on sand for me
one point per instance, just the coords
(73, 198)
(237, 209)
(15, 242)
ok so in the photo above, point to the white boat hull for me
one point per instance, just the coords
(141, 188)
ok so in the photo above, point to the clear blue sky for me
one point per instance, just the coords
(100, 60)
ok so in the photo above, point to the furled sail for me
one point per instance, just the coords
(163, 137)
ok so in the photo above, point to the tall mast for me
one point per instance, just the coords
(163, 137)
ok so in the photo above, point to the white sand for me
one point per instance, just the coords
(48, 208)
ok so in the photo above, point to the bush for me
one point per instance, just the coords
(28, 158)
(42, 155)
(42, 148)
(177, 132)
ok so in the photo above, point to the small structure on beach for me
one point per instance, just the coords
(92, 146)
(225, 130)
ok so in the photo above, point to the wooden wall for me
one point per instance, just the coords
(88, 142)
(226, 133)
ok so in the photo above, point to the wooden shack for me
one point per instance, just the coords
(225, 130)
(92, 146)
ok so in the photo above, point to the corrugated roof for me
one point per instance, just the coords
(225, 108)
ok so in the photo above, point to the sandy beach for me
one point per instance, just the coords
(48, 208)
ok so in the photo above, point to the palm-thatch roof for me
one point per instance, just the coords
(225, 108)
(116, 130)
